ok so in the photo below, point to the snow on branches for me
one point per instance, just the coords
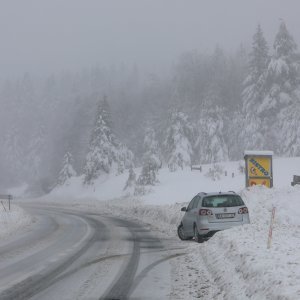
(106, 153)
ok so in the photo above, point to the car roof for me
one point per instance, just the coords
(217, 193)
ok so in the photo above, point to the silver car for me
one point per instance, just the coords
(208, 213)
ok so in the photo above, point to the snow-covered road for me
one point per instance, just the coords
(79, 255)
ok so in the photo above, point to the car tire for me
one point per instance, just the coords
(197, 237)
(181, 233)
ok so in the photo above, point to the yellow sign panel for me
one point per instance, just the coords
(259, 169)
(259, 166)
(259, 181)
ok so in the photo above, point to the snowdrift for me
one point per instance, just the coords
(11, 221)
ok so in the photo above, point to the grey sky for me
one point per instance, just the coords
(43, 36)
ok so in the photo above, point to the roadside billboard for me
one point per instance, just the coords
(259, 168)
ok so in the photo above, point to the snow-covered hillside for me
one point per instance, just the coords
(176, 187)
(236, 261)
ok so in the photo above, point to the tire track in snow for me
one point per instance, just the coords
(36, 283)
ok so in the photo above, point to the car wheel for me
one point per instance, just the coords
(197, 237)
(181, 233)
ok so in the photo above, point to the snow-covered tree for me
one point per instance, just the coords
(148, 177)
(216, 89)
(151, 159)
(151, 148)
(289, 123)
(179, 141)
(106, 152)
(254, 93)
(282, 85)
(210, 144)
(270, 90)
(215, 172)
(234, 134)
(67, 170)
(34, 153)
(131, 181)
(14, 153)
(282, 77)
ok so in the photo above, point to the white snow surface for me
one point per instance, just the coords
(12, 220)
(233, 264)
(255, 152)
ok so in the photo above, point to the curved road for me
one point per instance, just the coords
(79, 255)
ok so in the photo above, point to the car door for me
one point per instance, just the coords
(194, 212)
(190, 216)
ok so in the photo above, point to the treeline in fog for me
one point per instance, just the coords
(210, 108)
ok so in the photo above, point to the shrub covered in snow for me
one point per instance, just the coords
(215, 172)
(131, 181)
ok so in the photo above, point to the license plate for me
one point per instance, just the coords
(224, 216)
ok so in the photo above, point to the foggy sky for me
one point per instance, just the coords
(43, 36)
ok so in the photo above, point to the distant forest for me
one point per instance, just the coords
(210, 108)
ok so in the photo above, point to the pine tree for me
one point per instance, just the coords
(235, 135)
(67, 170)
(210, 145)
(151, 159)
(148, 177)
(106, 152)
(14, 154)
(289, 137)
(151, 148)
(179, 141)
(34, 153)
(254, 93)
(216, 90)
(281, 77)
(258, 63)
(282, 85)
(131, 181)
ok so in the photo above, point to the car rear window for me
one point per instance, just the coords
(222, 201)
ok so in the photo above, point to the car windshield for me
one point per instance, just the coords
(222, 201)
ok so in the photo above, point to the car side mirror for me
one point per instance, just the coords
(183, 209)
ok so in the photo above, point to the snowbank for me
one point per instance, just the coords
(11, 221)
(245, 267)
(239, 263)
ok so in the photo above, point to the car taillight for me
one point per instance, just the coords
(243, 210)
(205, 212)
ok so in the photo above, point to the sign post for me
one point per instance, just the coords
(259, 168)
(7, 197)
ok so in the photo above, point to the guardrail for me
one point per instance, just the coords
(199, 168)
(6, 197)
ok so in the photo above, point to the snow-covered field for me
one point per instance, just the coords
(234, 264)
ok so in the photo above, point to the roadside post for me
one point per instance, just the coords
(9, 199)
(259, 168)
(271, 228)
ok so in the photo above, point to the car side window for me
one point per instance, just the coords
(196, 201)
(190, 206)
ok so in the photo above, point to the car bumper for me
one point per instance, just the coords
(205, 229)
